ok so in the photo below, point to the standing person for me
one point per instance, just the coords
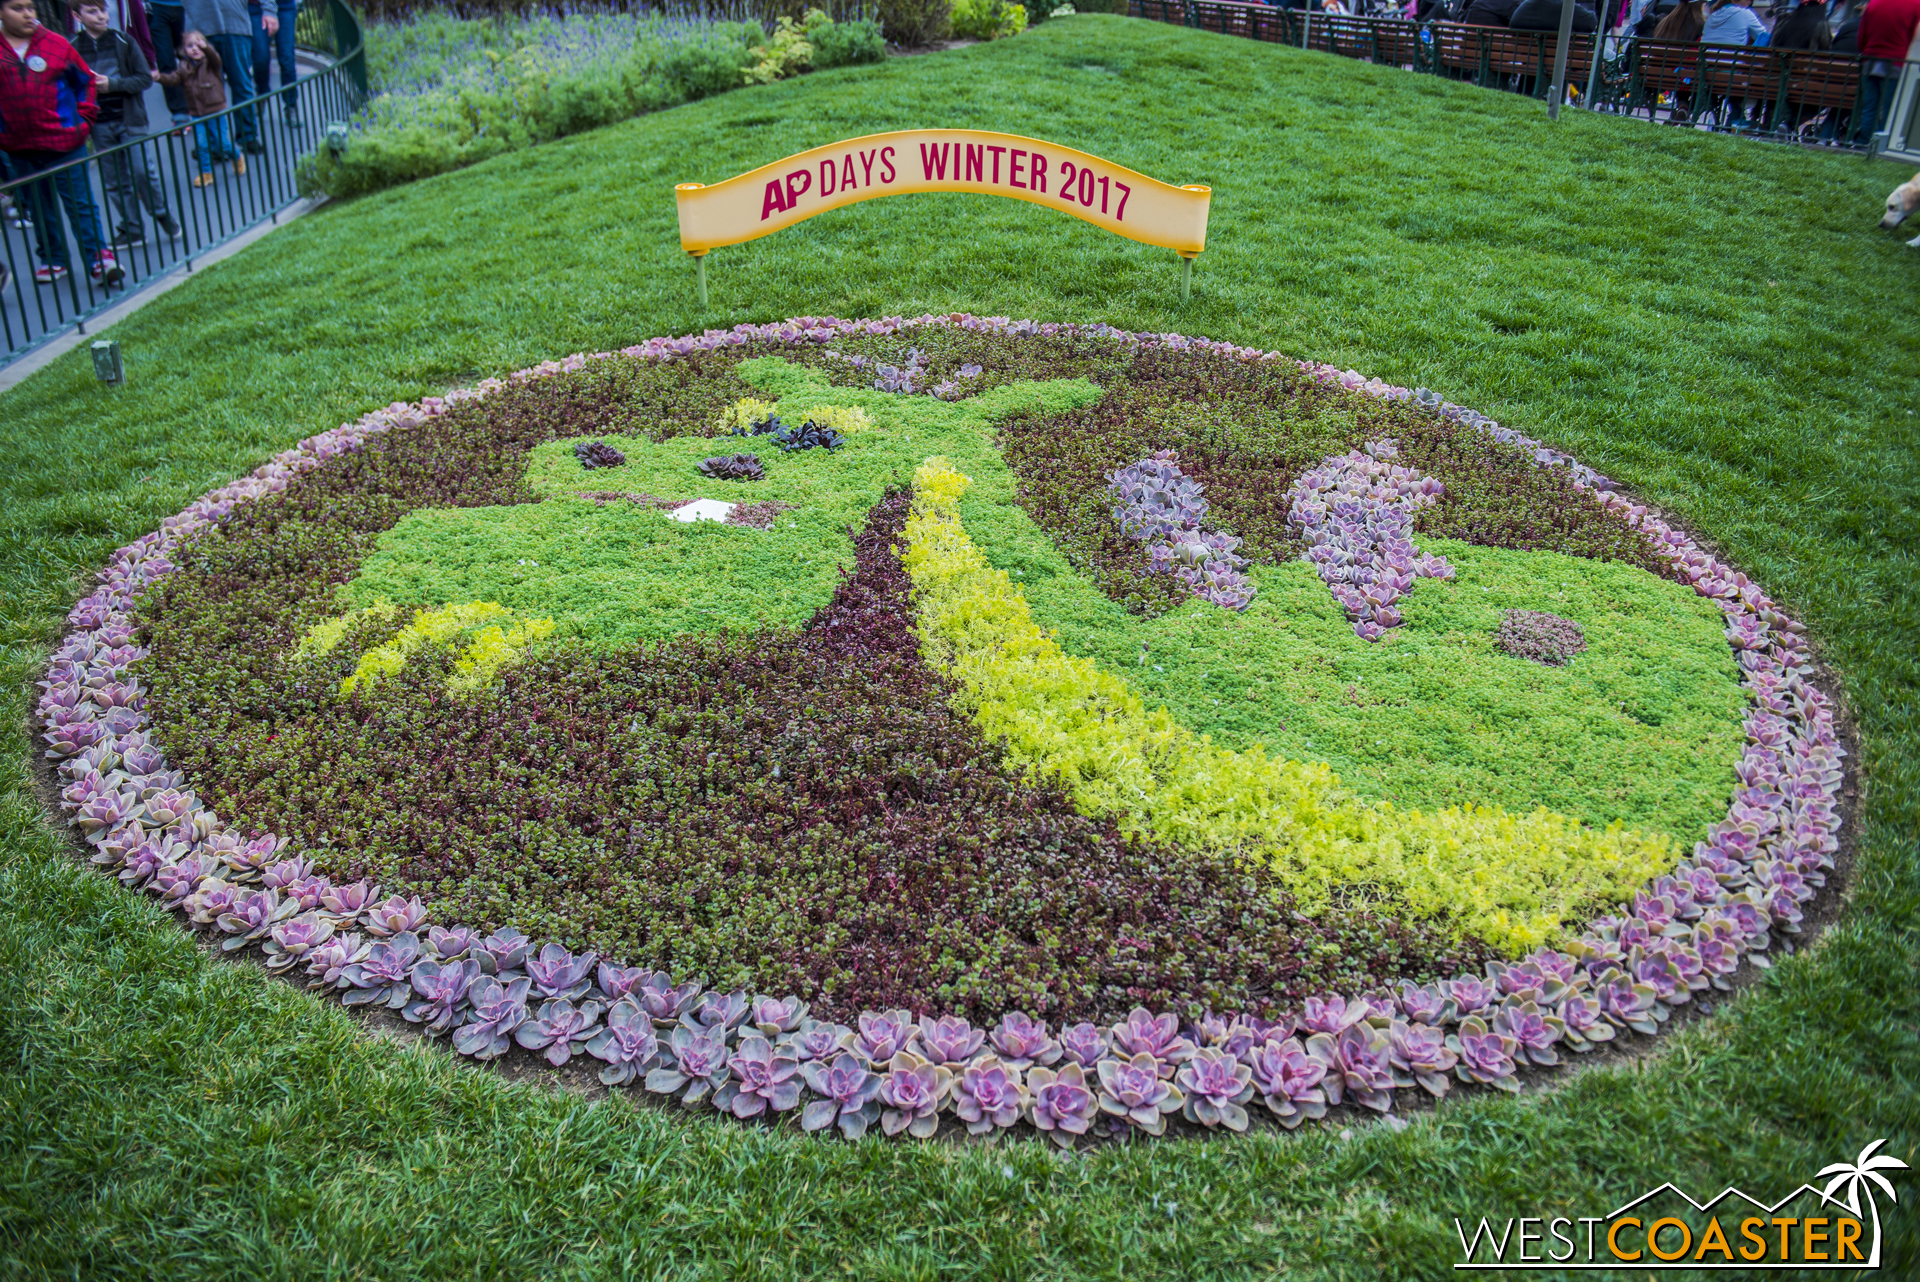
(273, 33)
(199, 74)
(120, 80)
(47, 106)
(169, 29)
(1886, 33)
(133, 21)
(229, 31)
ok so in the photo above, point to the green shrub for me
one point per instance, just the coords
(701, 68)
(843, 44)
(451, 92)
(915, 22)
(988, 19)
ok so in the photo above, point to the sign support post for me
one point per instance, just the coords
(1560, 59)
(700, 262)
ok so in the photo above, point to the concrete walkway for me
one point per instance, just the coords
(47, 353)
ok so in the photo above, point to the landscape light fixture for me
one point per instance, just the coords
(106, 363)
(338, 131)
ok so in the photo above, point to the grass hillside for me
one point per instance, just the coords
(1715, 323)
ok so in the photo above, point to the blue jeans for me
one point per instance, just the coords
(236, 57)
(281, 42)
(1876, 95)
(49, 236)
(168, 27)
(210, 139)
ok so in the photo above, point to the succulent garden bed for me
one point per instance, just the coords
(1073, 728)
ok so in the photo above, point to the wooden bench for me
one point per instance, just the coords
(1816, 80)
(1173, 11)
(1391, 42)
(1487, 55)
(1791, 82)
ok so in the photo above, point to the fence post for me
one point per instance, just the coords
(1783, 60)
(346, 35)
(1560, 60)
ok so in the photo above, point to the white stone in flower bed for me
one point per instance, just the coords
(702, 510)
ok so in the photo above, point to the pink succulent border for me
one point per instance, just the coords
(1686, 932)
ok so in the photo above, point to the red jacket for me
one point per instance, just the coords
(52, 108)
(1886, 28)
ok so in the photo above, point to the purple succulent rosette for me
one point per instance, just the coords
(1161, 506)
(1687, 932)
(1356, 515)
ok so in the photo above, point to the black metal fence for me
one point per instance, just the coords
(1783, 94)
(158, 201)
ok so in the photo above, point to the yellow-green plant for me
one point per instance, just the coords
(744, 413)
(845, 419)
(1514, 880)
(988, 19)
(429, 627)
(491, 648)
(787, 52)
(494, 648)
(324, 637)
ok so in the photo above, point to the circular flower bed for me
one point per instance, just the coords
(978, 714)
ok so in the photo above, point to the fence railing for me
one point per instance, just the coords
(158, 201)
(1785, 94)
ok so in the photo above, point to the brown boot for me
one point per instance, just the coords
(239, 164)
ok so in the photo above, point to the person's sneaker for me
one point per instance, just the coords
(130, 239)
(169, 227)
(254, 147)
(6, 277)
(48, 275)
(293, 120)
(106, 269)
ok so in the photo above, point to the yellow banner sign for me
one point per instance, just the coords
(788, 191)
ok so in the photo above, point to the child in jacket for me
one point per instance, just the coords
(198, 74)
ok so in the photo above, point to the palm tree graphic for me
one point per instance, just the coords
(1864, 1172)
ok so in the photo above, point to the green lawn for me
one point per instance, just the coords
(1714, 322)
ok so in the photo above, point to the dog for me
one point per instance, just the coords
(1904, 200)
